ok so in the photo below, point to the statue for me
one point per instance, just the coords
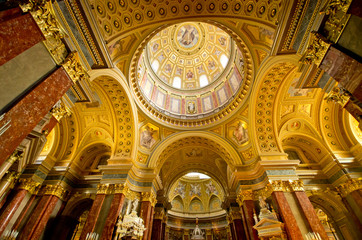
(197, 233)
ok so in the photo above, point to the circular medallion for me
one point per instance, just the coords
(187, 36)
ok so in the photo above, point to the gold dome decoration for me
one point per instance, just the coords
(191, 72)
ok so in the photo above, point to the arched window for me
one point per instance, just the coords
(224, 60)
(176, 82)
(203, 81)
(155, 65)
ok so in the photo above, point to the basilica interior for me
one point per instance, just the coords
(180, 120)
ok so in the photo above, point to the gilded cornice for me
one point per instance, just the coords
(43, 13)
(350, 186)
(74, 68)
(55, 190)
(316, 50)
(29, 185)
(244, 195)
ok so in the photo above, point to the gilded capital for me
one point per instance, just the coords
(104, 189)
(74, 68)
(244, 195)
(16, 155)
(159, 215)
(29, 185)
(149, 197)
(43, 13)
(59, 111)
(296, 185)
(338, 95)
(55, 190)
(120, 188)
(350, 186)
(316, 50)
(234, 215)
(12, 176)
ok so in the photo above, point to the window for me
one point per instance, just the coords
(224, 60)
(155, 65)
(203, 81)
(176, 82)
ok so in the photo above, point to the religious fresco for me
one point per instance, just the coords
(294, 91)
(238, 132)
(149, 135)
(187, 36)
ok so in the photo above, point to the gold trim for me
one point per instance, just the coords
(244, 195)
(350, 186)
(74, 68)
(149, 197)
(55, 190)
(296, 185)
(338, 95)
(316, 50)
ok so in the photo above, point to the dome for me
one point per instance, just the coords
(189, 71)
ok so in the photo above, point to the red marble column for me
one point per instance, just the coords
(352, 214)
(232, 231)
(27, 113)
(239, 229)
(151, 222)
(310, 214)
(286, 213)
(52, 123)
(357, 197)
(23, 213)
(114, 211)
(39, 218)
(92, 216)
(355, 8)
(345, 70)
(17, 33)
(156, 229)
(11, 209)
(146, 216)
(248, 213)
(163, 231)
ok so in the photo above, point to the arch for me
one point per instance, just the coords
(214, 203)
(273, 71)
(177, 203)
(218, 143)
(196, 205)
(113, 82)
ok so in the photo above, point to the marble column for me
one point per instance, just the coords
(92, 215)
(355, 8)
(114, 211)
(208, 234)
(156, 229)
(27, 113)
(26, 186)
(288, 218)
(7, 182)
(148, 201)
(163, 233)
(308, 209)
(39, 218)
(345, 70)
(239, 229)
(232, 231)
(351, 192)
(18, 33)
(246, 203)
(151, 222)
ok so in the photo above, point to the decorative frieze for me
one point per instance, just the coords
(29, 185)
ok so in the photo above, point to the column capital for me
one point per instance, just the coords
(60, 110)
(316, 50)
(43, 13)
(149, 197)
(120, 188)
(55, 190)
(104, 188)
(338, 95)
(74, 68)
(244, 195)
(159, 214)
(16, 155)
(234, 215)
(12, 176)
(350, 186)
(29, 185)
(296, 186)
